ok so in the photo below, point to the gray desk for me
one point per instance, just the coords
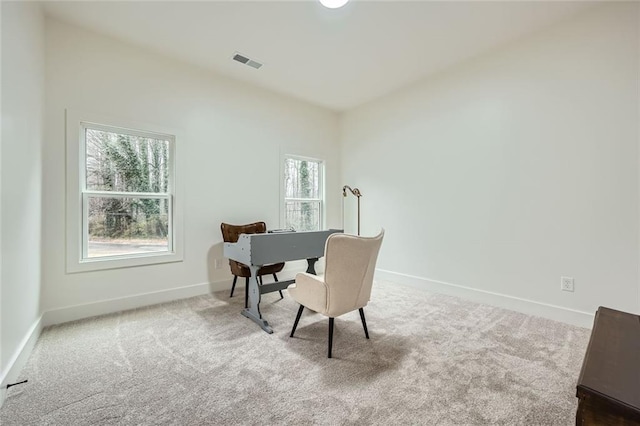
(256, 250)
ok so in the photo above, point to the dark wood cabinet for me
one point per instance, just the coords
(609, 384)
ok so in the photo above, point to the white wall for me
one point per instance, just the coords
(21, 179)
(501, 174)
(507, 172)
(234, 138)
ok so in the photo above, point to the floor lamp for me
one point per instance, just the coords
(356, 192)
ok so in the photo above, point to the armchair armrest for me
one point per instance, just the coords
(310, 291)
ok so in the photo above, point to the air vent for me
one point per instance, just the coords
(245, 60)
(240, 58)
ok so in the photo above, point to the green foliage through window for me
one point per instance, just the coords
(127, 184)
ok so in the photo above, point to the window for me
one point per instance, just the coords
(303, 193)
(123, 212)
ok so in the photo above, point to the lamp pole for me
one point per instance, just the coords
(358, 194)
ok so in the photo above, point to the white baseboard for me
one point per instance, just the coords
(76, 312)
(530, 307)
(292, 267)
(20, 357)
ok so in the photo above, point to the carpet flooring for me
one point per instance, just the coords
(431, 360)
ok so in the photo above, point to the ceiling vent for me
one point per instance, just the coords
(247, 61)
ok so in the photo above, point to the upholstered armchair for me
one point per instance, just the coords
(230, 234)
(346, 284)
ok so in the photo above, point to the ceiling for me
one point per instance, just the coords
(335, 58)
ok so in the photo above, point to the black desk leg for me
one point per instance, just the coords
(311, 265)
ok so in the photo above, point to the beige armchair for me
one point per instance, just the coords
(346, 285)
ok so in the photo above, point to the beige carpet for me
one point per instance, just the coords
(431, 360)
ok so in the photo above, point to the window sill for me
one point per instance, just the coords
(99, 264)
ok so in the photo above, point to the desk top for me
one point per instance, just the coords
(611, 368)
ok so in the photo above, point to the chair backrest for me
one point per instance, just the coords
(350, 264)
(231, 233)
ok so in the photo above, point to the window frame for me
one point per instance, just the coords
(77, 195)
(321, 189)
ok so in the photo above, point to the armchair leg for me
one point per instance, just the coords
(295, 324)
(233, 286)
(364, 323)
(330, 336)
(246, 292)
(275, 277)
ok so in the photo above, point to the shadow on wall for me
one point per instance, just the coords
(217, 265)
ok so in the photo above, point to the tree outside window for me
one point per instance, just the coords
(126, 193)
(303, 200)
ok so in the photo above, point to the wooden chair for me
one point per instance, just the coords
(230, 234)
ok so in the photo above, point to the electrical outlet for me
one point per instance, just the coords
(217, 263)
(566, 283)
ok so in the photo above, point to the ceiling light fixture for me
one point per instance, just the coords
(333, 4)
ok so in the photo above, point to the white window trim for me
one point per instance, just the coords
(284, 199)
(75, 198)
